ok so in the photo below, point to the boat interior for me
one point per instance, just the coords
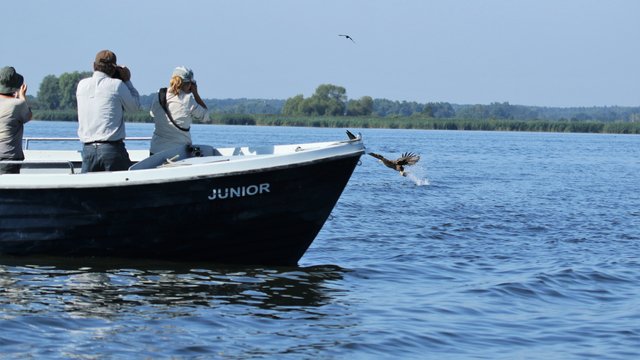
(48, 156)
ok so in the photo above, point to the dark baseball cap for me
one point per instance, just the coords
(10, 80)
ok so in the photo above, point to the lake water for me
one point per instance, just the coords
(497, 246)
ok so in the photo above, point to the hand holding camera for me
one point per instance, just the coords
(122, 73)
(22, 92)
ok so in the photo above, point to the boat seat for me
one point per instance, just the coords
(175, 154)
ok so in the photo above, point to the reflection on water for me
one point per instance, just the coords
(146, 310)
(106, 290)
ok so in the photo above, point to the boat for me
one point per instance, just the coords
(236, 205)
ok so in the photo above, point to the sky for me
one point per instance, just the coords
(560, 53)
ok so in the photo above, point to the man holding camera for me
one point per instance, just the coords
(102, 101)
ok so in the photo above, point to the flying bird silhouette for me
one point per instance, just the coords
(348, 37)
(406, 159)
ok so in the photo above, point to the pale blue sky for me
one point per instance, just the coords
(529, 52)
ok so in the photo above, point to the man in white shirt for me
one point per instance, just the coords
(102, 101)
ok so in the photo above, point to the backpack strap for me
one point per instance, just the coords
(162, 99)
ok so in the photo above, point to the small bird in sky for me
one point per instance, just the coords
(348, 37)
(406, 159)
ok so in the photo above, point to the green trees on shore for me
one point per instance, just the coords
(328, 100)
(59, 93)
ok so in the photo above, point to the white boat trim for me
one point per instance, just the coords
(232, 161)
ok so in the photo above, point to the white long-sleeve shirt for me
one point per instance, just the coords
(102, 102)
(184, 109)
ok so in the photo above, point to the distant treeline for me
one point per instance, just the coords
(398, 109)
(505, 111)
(329, 106)
(440, 110)
(411, 122)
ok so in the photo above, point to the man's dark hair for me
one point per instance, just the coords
(107, 68)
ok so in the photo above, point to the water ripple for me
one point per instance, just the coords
(522, 246)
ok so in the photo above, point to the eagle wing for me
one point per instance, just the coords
(408, 158)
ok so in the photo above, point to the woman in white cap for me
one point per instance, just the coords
(14, 113)
(174, 110)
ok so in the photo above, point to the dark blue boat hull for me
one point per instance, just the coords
(264, 217)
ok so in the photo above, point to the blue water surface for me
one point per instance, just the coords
(498, 245)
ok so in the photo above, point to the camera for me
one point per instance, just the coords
(122, 73)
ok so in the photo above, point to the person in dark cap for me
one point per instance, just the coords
(14, 113)
(102, 100)
(174, 109)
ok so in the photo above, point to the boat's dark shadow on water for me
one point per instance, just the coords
(108, 287)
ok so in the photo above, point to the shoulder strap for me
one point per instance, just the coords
(162, 99)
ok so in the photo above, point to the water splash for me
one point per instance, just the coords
(418, 174)
(417, 180)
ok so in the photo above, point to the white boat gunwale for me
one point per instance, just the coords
(249, 160)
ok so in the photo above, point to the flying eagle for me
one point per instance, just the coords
(348, 37)
(406, 159)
